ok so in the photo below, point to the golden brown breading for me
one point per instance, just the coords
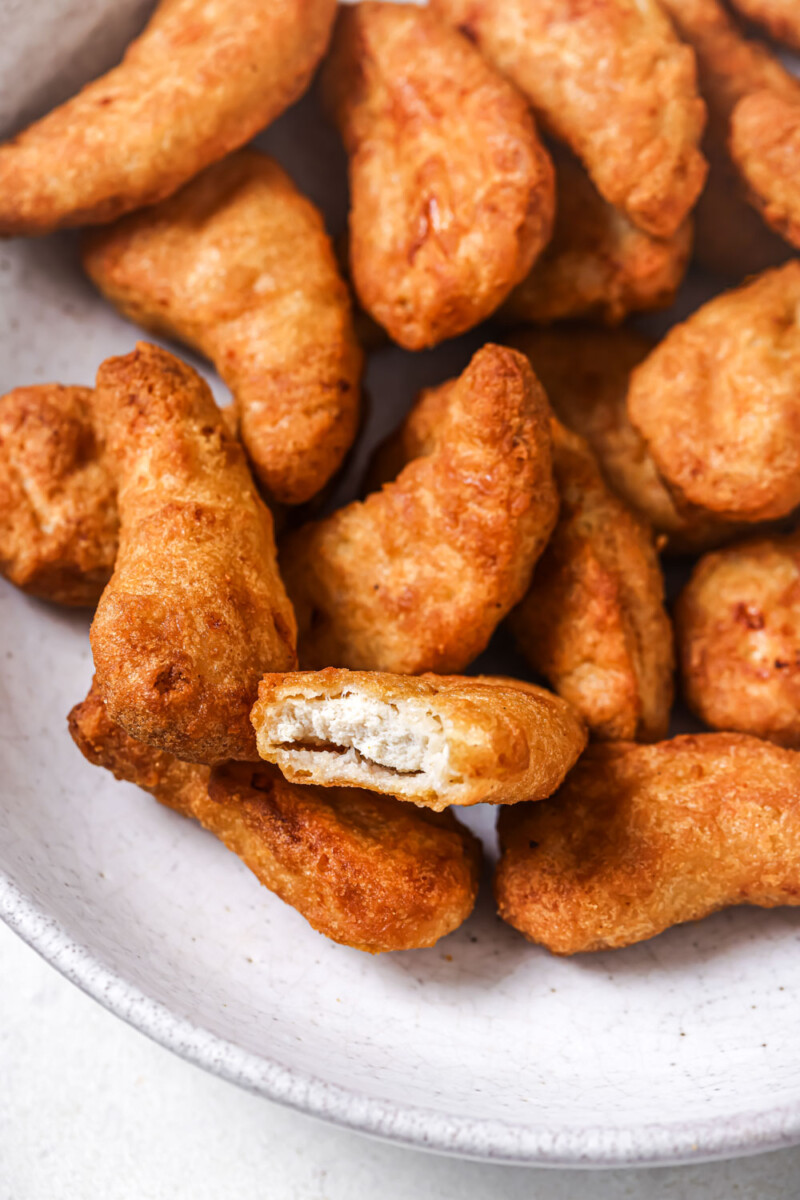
(643, 837)
(417, 577)
(451, 191)
(738, 628)
(434, 740)
(195, 611)
(200, 81)
(611, 79)
(718, 401)
(593, 621)
(780, 18)
(58, 504)
(765, 145)
(365, 870)
(238, 265)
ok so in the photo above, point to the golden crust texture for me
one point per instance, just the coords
(58, 504)
(610, 79)
(452, 193)
(195, 611)
(780, 18)
(433, 740)
(417, 576)
(765, 145)
(200, 81)
(738, 629)
(640, 838)
(238, 265)
(365, 870)
(718, 401)
(593, 622)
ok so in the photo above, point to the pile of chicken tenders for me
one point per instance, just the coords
(550, 167)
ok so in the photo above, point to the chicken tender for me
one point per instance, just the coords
(434, 741)
(452, 192)
(765, 144)
(780, 18)
(612, 81)
(718, 401)
(58, 502)
(593, 622)
(195, 611)
(418, 576)
(238, 265)
(365, 870)
(738, 628)
(200, 81)
(643, 837)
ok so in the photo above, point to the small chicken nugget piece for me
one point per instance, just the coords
(611, 79)
(452, 192)
(418, 576)
(365, 870)
(434, 740)
(200, 81)
(738, 628)
(765, 145)
(640, 838)
(718, 401)
(195, 611)
(780, 18)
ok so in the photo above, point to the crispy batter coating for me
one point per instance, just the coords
(611, 79)
(434, 740)
(738, 629)
(417, 577)
(780, 18)
(765, 145)
(451, 190)
(718, 401)
(195, 611)
(58, 503)
(593, 622)
(365, 870)
(200, 81)
(238, 265)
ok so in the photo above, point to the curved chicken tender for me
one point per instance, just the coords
(610, 79)
(200, 81)
(195, 611)
(780, 18)
(738, 627)
(418, 576)
(643, 837)
(718, 401)
(238, 265)
(435, 740)
(765, 145)
(364, 870)
(58, 502)
(593, 622)
(452, 192)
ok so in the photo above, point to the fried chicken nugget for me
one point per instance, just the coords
(195, 611)
(365, 870)
(765, 145)
(200, 81)
(452, 193)
(643, 837)
(718, 401)
(418, 576)
(780, 18)
(58, 499)
(238, 265)
(610, 79)
(435, 740)
(738, 628)
(593, 621)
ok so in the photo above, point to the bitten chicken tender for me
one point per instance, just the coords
(611, 79)
(195, 611)
(365, 870)
(200, 81)
(643, 837)
(718, 401)
(58, 498)
(780, 18)
(593, 622)
(765, 144)
(418, 576)
(436, 740)
(451, 190)
(738, 628)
